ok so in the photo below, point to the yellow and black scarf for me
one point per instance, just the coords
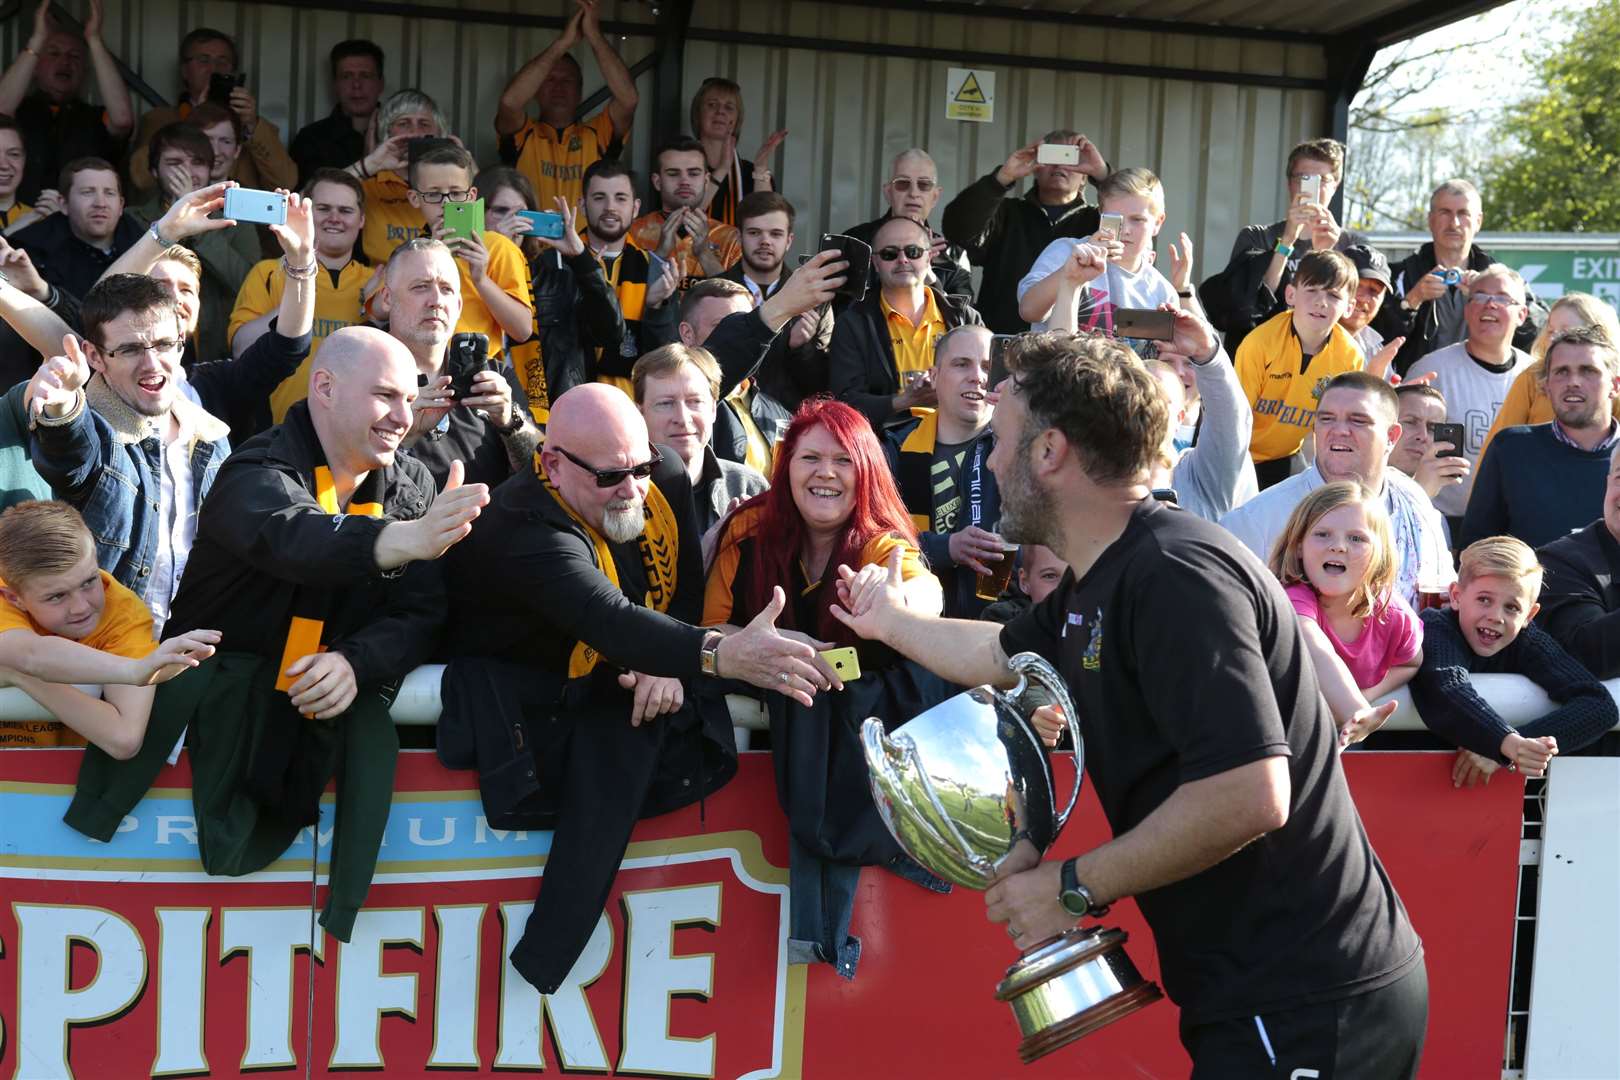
(659, 544)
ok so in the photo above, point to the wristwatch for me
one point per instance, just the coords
(709, 654)
(1076, 898)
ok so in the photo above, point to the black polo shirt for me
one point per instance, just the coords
(1185, 660)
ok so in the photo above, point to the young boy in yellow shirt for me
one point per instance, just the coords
(1285, 363)
(495, 295)
(65, 621)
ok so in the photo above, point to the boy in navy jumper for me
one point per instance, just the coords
(1487, 630)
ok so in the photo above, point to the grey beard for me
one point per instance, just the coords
(623, 525)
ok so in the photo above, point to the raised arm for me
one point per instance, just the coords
(511, 113)
(187, 217)
(620, 83)
(109, 81)
(22, 303)
(19, 76)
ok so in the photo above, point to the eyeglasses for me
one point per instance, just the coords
(911, 251)
(904, 184)
(437, 197)
(134, 350)
(607, 478)
(1499, 299)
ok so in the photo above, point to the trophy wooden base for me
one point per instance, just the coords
(1065, 988)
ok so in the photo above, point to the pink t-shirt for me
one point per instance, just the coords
(1391, 639)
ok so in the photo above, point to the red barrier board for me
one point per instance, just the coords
(124, 960)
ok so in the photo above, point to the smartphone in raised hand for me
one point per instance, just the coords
(1057, 154)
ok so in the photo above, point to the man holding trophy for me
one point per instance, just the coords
(1279, 934)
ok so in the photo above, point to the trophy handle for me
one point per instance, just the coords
(1031, 667)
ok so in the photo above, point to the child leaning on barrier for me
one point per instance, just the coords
(1336, 561)
(1487, 630)
(65, 621)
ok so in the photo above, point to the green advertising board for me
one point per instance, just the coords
(1552, 263)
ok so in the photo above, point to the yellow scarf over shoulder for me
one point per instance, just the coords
(659, 544)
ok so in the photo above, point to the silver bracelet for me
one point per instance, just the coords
(161, 242)
(298, 273)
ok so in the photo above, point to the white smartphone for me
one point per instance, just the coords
(260, 207)
(1310, 189)
(1111, 226)
(1057, 154)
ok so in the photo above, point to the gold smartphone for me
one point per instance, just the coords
(844, 661)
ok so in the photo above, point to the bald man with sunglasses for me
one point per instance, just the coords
(572, 620)
(882, 352)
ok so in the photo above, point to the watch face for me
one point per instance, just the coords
(1074, 903)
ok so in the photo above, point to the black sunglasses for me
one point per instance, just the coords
(912, 251)
(606, 478)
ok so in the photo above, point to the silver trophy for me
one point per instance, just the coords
(959, 786)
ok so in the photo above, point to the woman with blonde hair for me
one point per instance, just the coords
(717, 115)
(1527, 401)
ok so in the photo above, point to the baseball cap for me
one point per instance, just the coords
(1370, 263)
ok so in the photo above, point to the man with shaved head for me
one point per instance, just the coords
(573, 622)
(484, 429)
(912, 191)
(315, 554)
(882, 354)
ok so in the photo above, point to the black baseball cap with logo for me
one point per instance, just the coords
(1370, 263)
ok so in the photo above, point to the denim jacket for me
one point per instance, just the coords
(104, 458)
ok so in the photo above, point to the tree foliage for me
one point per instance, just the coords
(1557, 166)
(1402, 138)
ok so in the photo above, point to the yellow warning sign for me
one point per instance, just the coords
(970, 94)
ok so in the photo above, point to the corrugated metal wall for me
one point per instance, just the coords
(1219, 147)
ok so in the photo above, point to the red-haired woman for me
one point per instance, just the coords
(831, 502)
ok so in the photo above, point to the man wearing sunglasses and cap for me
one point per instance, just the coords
(912, 191)
(588, 647)
(882, 354)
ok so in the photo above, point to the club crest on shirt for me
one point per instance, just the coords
(1091, 659)
(1321, 385)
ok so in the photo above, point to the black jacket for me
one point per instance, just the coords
(329, 143)
(1580, 597)
(910, 452)
(68, 262)
(266, 551)
(560, 752)
(576, 313)
(740, 343)
(862, 367)
(787, 374)
(1004, 235)
(951, 271)
(1422, 327)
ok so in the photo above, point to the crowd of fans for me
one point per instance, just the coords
(609, 471)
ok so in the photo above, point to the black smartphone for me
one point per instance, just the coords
(859, 256)
(1448, 433)
(467, 356)
(220, 87)
(1145, 324)
(999, 344)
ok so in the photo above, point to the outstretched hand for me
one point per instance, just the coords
(761, 655)
(868, 596)
(55, 386)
